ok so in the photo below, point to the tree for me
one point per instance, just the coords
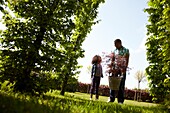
(85, 15)
(44, 36)
(158, 52)
(140, 76)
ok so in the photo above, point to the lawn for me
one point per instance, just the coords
(70, 103)
(105, 99)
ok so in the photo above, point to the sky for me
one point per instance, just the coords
(124, 19)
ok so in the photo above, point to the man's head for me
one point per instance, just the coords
(118, 43)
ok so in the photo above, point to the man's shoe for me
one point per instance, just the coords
(120, 103)
(110, 101)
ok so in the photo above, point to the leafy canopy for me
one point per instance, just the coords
(44, 36)
(158, 44)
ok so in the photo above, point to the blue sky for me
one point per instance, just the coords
(122, 19)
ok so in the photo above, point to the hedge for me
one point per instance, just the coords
(129, 94)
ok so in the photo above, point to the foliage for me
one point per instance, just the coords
(43, 82)
(40, 83)
(158, 44)
(1, 3)
(44, 36)
(20, 103)
(72, 84)
(167, 101)
(167, 97)
(85, 15)
(6, 86)
(83, 87)
(104, 90)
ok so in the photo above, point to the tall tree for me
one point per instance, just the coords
(84, 19)
(158, 44)
(44, 35)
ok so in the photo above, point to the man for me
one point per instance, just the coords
(123, 52)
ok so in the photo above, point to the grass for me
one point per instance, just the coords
(105, 99)
(70, 103)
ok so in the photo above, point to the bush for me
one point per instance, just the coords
(6, 86)
(167, 97)
(104, 91)
(39, 83)
(72, 85)
(83, 87)
(167, 101)
(129, 94)
(36, 84)
(145, 96)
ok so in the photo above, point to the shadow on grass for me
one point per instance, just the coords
(18, 104)
(11, 103)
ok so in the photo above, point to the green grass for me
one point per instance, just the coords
(71, 103)
(105, 99)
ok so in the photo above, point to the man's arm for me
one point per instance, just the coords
(127, 60)
(127, 57)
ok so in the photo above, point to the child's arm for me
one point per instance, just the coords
(92, 71)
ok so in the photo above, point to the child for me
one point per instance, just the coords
(96, 74)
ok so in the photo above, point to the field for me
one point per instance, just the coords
(71, 103)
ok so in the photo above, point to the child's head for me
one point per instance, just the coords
(99, 59)
(96, 59)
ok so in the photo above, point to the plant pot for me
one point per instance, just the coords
(114, 82)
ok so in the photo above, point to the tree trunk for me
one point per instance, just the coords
(64, 85)
(138, 85)
(139, 92)
(140, 95)
(65, 80)
(135, 97)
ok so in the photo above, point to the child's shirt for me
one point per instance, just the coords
(97, 70)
